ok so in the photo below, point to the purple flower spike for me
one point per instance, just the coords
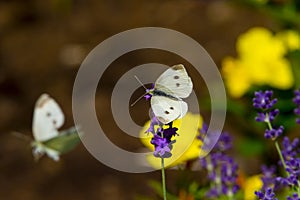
(268, 176)
(169, 133)
(294, 197)
(296, 100)
(221, 168)
(290, 154)
(274, 133)
(267, 117)
(297, 111)
(262, 100)
(267, 195)
(225, 142)
(273, 114)
(267, 114)
(162, 147)
(261, 117)
(154, 121)
(290, 148)
(162, 138)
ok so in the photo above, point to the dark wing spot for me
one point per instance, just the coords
(167, 112)
(48, 114)
(177, 84)
(171, 108)
(54, 122)
(176, 77)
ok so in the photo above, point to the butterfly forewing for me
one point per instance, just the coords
(175, 80)
(47, 118)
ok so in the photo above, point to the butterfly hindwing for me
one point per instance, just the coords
(168, 109)
(175, 80)
(65, 141)
(47, 118)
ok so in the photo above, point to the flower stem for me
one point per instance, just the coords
(163, 177)
(298, 189)
(278, 148)
(280, 155)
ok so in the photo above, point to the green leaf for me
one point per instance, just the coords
(66, 141)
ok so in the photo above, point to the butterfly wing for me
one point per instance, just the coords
(175, 80)
(65, 142)
(167, 109)
(47, 118)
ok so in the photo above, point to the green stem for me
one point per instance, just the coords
(298, 189)
(276, 145)
(280, 154)
(163, 177)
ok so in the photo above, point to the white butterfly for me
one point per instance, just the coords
(47, 119)
(169, 89)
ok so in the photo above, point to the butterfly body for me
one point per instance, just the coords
(156, 92)
(169, 89)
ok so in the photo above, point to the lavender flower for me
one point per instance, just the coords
(153, 123)
(267, 117)
(268, 176)
(289, 153)
(290, 149)
(267, 195)
(274, 133)
(292, 163)
(203, 131)
(262, 100)
(162, 139)
(169, 132)
(296, 100)
(294, 197)
(221, 168)
(162, 147)
(225, 142)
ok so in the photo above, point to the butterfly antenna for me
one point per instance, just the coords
(21, 136)
(143, 94)
(140, 81)
(138, 99)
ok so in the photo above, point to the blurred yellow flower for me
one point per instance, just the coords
(290, 38)
(186, 147)
(261, 61)
(252, 184)
(239, 81)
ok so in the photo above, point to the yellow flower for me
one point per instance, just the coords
(290, 38)
(239, 81)
(259, 42)
(261, 61)
(252, 184)
(186, 147)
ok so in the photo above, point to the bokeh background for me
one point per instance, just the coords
(42, 44)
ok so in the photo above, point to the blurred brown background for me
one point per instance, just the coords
(42, 44)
